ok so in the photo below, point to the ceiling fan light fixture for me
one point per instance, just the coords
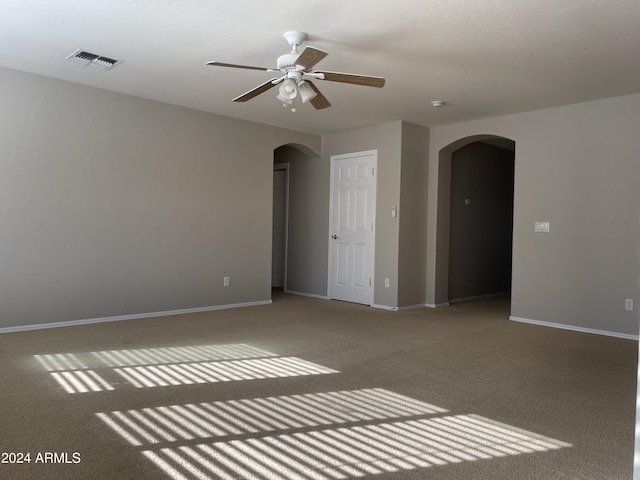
(285, 101)
(288, 89)
(306, 92)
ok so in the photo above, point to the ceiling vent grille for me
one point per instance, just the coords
(92, 59)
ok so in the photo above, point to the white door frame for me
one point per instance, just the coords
(374, 153)
(285, 167)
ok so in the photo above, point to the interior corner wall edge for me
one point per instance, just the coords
(114, 205)
(412, 246)
(576, 166)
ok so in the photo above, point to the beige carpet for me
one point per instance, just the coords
(310, 389)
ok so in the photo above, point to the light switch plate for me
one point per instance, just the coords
(542, 227)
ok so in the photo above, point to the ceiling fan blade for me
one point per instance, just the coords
(309, 57)
(319, 101)
(352, 78)
(233, 65)
(258, 90)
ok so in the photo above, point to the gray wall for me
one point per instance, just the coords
(577, 167)
(113, 205)
(480, 231)
(412, 243)
(387, 140)
(400, 243)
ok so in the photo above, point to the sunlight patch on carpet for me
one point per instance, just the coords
(171, 366)
(235, 417)
(309, 436)
(353, 451)
(79, 381)
(211, 372)
(149, 356)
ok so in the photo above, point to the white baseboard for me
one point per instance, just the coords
(305, 294)
(72, 323)
(412, 307)
(574, 328)
(437, 305)
(384, 307)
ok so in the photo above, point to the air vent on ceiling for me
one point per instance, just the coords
(92, 59)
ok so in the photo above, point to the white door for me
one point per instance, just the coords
(278, 254)
(353, 207)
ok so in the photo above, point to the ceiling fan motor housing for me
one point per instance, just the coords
(287, 61)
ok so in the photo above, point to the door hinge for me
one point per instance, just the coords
(369, 282)
(373, 170)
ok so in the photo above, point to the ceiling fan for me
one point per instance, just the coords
(297, 70)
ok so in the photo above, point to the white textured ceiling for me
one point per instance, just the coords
(483, 57)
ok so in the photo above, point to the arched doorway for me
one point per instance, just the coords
(294, 239)
(474, 218)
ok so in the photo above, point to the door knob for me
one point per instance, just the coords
(335, 237)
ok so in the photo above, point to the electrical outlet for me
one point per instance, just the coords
(227, 281)
(628, 304)
(386, 282)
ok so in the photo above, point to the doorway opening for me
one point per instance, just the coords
(295, 181)
(280, 225)
(481, 220)
(474, 241)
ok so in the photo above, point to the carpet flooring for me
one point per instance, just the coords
(310, 389)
